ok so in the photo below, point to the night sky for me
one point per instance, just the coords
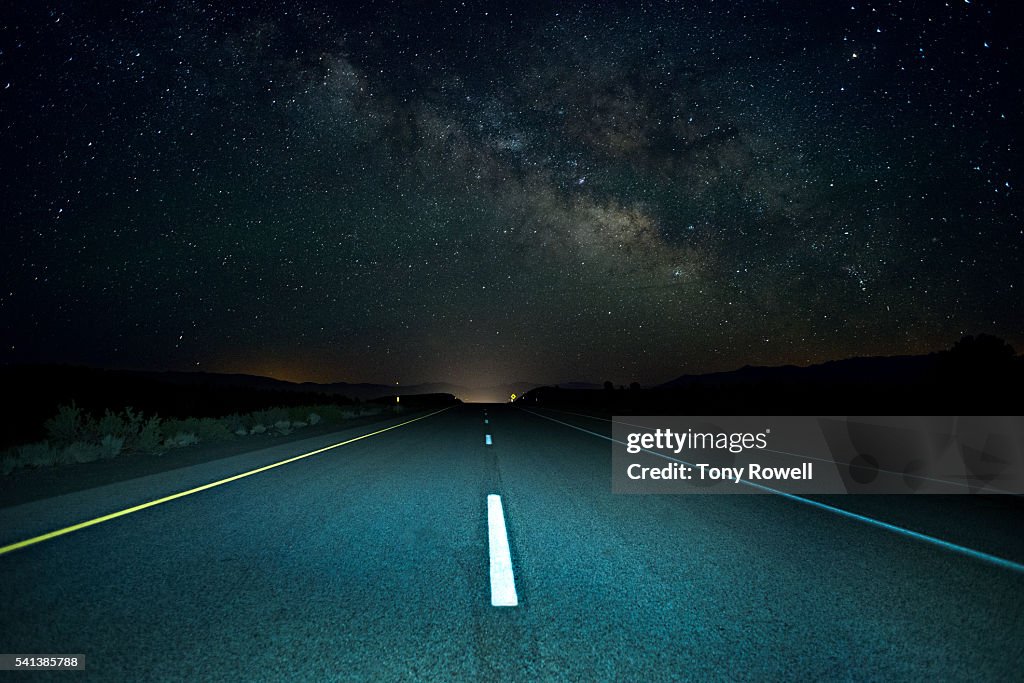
(480, 193)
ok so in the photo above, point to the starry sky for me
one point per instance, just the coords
(488, 192)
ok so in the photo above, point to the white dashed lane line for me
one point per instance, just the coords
(503, 582)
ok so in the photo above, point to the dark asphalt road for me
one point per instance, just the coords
(370, 562)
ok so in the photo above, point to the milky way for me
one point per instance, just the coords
(506, 192)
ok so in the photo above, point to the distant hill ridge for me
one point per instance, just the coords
(976, 376)
(866, 369)
(363, 391)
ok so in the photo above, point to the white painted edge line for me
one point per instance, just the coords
(910, 533)
(487, 440)
(503, 582)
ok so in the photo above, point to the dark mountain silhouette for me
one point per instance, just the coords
(978, 376)
(579, 385)
(884, 369)
(360, 391)
(355, 391)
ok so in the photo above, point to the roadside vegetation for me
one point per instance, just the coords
(75, 436)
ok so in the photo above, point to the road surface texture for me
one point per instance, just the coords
(370, 562)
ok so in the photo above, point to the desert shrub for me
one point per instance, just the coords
(297, 412)
(73, 427)
(67, 426)
(181, 439)
(115, 424)
(303, 413)
(125, 425)
(150, 436)
(205, 429)
(329, 414)
(268, 417)
(188, 425)
(212, 429)
(8, 461)
(248, 421)
(375, 409)
(236, 424)
(74, 436)
(82, 451)
(45, 454)
(110, 446)
(40, 454)
(111, 423)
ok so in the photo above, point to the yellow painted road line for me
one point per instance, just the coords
(182, 494)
